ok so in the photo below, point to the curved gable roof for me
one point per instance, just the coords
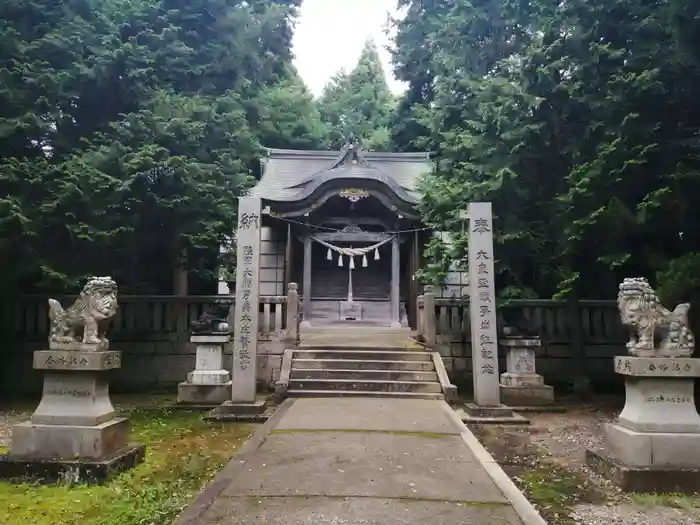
(290, 175)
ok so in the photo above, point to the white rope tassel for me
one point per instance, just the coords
(340, 261)
(329, 256)
(352, 263)
(364, 261)
(376, 254)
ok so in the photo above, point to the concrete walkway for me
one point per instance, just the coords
(362, 461)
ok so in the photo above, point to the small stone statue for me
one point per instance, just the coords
(214, 320)
(97, 303)
(641, 309)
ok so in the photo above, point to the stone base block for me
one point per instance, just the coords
(639, 479)
(209, 377)
(513, 379)
(500, 415)
(74, 398)
(230, 411)
(653, 449)
(81, 361)
(189, 393)
(527, 395)
(53, 442)
(71, 471)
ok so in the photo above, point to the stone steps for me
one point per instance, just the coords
(361, 375)
(365, 364)
(373, 355)
(362, 393)
(372, 385)
(340, 370)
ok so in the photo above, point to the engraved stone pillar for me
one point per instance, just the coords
(482, 306)
(245, 342)
(521, 385)
(306, 318)
(208, 383)
(395, 282)
(487, 407)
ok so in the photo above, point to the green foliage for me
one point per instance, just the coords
(359, 105)
(184, 454)
(578, 121)
(128, 129)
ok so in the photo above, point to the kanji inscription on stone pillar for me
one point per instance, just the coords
(482, 306)
(245, 343)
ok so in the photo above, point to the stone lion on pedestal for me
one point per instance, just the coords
(97, 303)
(641, 310)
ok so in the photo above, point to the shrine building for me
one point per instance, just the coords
(344, 226)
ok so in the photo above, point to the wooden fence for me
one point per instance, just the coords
(141, 317)
(574, 322)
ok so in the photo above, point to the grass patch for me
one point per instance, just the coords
(183, 453)
(690, 504)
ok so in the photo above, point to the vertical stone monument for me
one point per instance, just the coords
(244, 403)
(655, 443)
(209, 383)
(487, 407)
(521, 385)
(75, 434)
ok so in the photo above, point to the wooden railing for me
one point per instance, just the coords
(149, 317)
(558, 322)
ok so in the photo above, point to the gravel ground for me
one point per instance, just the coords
(9, 417)
(560, 439)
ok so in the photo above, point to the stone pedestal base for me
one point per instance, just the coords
(74, 431)
(208, 383)
(653, 449)
(520, 385)
(71, 470)
(196, 394)
(499, 415)
(32, 441)
(527, 396)
(643, 479)
(659, 428)
(232, 411)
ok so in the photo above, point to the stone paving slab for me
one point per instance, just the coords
(366, 464)
(393, 461)
(356, 511)
(388, 415)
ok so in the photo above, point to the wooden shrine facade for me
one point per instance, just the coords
(344, 226)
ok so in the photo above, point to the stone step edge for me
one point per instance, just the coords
(359, 348)
(358, 352)
(332, 361)
(360, 393)
(371, 381)
(369, 371)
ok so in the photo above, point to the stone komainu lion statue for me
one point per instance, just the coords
(97, 303)
(641, 310)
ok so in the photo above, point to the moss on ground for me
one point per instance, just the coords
(555, 491)
(183, 453)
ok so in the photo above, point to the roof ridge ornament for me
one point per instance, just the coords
(351, 154)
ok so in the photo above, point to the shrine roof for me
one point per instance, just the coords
(290, 175)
